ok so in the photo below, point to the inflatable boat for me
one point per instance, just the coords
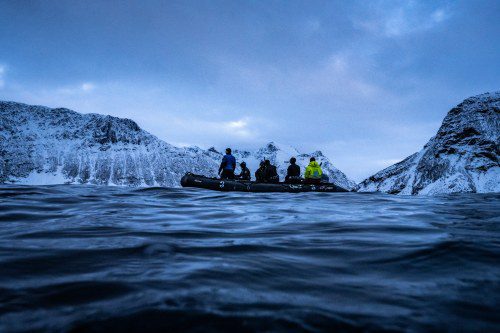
(216, 184)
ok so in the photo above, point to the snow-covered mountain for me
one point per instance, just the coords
(40, 145)
(462, 157)
(279, 155)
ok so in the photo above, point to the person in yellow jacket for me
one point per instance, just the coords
(313, 172)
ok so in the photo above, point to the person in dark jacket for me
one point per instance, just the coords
(227, 166)
(260, 174)
(245, 172)
(271, 175)
(293, 172)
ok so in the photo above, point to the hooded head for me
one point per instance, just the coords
(267, 162)
(293, 160)
(228, 151)
(313, 162)
(243, 164)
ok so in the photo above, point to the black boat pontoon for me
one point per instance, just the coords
(216, 184)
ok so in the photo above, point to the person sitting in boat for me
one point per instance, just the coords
(293, 172)
(260, 174)
(313, 172)
(227, 166)
(245, 172)
(271, 175)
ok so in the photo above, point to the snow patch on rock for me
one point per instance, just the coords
(462, 157)
(41, 146)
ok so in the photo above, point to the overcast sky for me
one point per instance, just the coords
(366, 82)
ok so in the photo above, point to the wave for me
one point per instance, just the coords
(90, 258)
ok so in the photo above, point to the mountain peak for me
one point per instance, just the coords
(462, 157)
(213, 150)
(40, 145)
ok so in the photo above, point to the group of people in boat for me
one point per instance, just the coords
(267, 173)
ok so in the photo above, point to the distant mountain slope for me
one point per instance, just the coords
(462, 157)
(280, 154)
(40, 145)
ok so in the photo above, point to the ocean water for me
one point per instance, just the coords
(102, 259)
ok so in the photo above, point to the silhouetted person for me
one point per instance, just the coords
(260, 174)
(227, 166)
(245, 172)
(293, 172)
(271, 175)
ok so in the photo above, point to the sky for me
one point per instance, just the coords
(366, 82)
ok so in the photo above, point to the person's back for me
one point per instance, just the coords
(260, 173)
(313, 172)
(293, 172)
(271, 174)
(227, 166)
(245, 172)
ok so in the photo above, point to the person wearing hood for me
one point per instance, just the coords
(245, 172)
(293, 172)
(313, 172)
(260, 174)
(271, 174)
(227, 166)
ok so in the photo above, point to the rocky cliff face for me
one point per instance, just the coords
(280, 154)
(462, 157)
(39, 145)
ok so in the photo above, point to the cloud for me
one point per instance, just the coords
(341, 76)
(439, 15)
(397, 21)
(87, 86)
(312, 26)
(238, 129)
(84, 87)
(344, 76)
(3, 70)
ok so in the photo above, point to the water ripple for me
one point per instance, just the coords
(95, 259)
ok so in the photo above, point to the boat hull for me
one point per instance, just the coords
(229, 185)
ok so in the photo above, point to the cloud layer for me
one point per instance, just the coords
(366, 82)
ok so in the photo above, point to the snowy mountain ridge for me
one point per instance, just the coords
(41, 145)
(462, 157)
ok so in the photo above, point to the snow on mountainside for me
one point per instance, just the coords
(280, 155)
(462, 157)
(40, 145)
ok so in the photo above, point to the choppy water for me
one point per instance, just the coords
(79, 258)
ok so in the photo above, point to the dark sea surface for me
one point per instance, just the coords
(103, 259)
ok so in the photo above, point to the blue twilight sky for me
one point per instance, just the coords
(366, 82)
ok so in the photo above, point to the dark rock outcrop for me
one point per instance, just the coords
(462, 157)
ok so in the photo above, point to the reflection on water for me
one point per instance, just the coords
(80, 258)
